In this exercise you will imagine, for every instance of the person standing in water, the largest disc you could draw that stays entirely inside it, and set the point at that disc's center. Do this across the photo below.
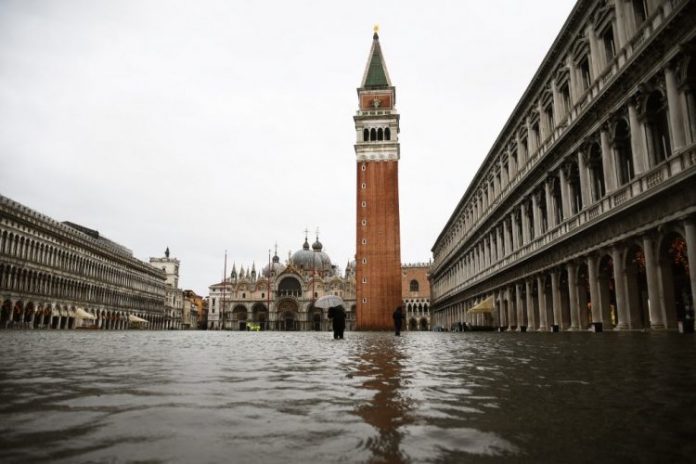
(398, 320)
(338, 320)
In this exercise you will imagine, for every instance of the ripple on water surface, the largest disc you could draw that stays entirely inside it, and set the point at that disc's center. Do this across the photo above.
(297, 397)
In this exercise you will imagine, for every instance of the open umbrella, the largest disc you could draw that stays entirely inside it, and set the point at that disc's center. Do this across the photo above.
(328, 301)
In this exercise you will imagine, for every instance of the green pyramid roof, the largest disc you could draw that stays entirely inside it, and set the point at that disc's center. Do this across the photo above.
(376, 73)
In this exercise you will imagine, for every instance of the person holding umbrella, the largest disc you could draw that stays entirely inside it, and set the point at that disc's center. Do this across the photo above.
(336, 313)
(338, 319)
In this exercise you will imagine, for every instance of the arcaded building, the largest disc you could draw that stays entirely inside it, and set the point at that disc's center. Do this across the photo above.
(582, 214)
(60, 275)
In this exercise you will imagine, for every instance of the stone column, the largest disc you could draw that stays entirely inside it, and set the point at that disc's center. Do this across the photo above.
(575, 323)
(515, 240)
(525, 223)
(557, 106)
(676, 120)
(511, 312)
(640, 157)
(573, 87)
(610, 178)
(550, 207)
(531, 320)
(501, 244)
(556, 297)
(565, 194)
(521, 322)
(690, 237)
(543, 323)
(594, 292)
(620, 288)
(531, 142)
(595, 61)
(503, 175)
(620, 11)
(584, 181)
(521, 158)
(507, 248)
(536, 215)
(502, 317)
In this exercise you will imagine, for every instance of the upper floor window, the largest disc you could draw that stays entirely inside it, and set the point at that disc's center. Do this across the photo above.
(624, 155)
(413, 286)
(565, 98)
(596, 172)
(366, 135)
(640, 11)
(609, 45)
(585, 76)
(657, 127)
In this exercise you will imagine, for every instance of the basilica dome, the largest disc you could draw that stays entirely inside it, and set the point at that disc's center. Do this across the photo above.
(276, 265)
(312, 260)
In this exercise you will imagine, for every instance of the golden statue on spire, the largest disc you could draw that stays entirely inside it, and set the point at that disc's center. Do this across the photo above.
(375, 28)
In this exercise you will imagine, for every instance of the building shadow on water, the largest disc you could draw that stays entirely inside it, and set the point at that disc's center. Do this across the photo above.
(388, 410)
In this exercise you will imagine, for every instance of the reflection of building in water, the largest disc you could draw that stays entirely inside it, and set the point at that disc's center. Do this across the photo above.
(583, 212)
(294, 286)
(389, 408)
(60, 275)
(415, 291)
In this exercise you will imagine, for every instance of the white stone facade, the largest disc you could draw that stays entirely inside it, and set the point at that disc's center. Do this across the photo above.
(582, 214)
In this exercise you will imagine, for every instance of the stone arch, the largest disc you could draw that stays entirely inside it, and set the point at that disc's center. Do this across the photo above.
(636, 287)
(259, 314)
(5, 314)
(423, 324)
(674, 277)
(584, 296)
(412, 324)
(607, 291)
(290, 286)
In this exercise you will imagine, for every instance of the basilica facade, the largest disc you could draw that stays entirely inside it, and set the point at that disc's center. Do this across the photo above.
(582, 215)
(281, 296)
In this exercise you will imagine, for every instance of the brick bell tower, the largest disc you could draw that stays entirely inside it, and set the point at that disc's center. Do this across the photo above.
(378, 240)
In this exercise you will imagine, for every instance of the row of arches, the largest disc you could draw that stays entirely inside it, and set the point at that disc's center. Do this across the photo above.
(31, 250)
(583, 180)
(287, 316)
(18, 314)
(638, 284)
(376, 134)
(21, 280)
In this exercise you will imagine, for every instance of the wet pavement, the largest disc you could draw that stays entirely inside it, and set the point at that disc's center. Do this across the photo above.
(139, 396)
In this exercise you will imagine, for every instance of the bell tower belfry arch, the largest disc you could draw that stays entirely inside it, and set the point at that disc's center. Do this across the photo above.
(378, 240)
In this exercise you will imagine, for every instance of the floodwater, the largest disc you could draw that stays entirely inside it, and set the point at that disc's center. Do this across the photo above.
(138, 396)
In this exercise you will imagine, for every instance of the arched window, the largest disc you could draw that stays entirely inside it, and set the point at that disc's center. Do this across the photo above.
(657, 127)
(413, 286)
(366, 134)
(596, 172)
(573, 177)
(387, 134)
(380, 134)
(373, 134)
(624, 155)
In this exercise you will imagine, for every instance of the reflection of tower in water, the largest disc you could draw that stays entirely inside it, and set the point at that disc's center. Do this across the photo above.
(388, 410)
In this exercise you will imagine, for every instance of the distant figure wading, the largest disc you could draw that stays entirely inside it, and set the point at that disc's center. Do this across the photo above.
(398, 319)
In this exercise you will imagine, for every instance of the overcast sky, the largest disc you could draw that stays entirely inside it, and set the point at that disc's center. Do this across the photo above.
(208, 126)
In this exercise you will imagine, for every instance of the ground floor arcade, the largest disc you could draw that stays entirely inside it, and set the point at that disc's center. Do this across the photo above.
(642, 281)
(21, 313)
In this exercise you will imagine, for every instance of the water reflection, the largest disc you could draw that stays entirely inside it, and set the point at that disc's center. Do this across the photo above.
(388, 410)
(211, 397)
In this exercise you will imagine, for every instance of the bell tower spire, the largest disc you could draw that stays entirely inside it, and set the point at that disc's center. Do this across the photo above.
(377, 152)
